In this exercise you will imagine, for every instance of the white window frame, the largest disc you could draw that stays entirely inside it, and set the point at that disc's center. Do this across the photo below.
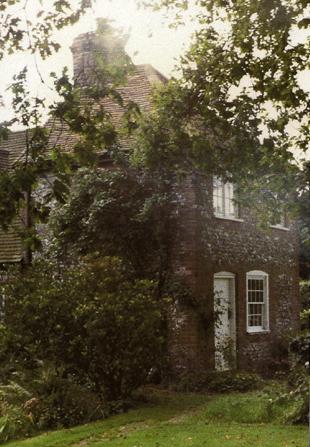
(282, 224)
(224, 188)
(260, 275)
(282, 221)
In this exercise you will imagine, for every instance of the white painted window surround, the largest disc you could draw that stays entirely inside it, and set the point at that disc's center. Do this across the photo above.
(280, 220)
(282, 223)
(224, 203)
(225, 323)
(280, 227)
(257, 294)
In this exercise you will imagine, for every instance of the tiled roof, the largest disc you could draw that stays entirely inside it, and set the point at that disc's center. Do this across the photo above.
(137, 89)
(4, 159)
(14, 145)
(10, 242)
(10, 245)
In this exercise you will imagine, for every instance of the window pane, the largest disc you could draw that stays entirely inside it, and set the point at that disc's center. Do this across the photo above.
(229, 196)
(223, 198)
(218, 197)
(255, 320)
(280, 219)
(257, 311)
(256, 291)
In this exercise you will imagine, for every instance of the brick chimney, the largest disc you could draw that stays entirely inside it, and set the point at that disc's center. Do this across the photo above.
(90, 47)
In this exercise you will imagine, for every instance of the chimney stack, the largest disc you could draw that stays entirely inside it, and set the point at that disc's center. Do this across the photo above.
(90, 47)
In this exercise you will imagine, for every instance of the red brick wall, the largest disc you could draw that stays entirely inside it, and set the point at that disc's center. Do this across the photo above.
(207, 245)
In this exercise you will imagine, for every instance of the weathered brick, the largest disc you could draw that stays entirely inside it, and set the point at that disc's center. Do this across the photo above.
(210, 245)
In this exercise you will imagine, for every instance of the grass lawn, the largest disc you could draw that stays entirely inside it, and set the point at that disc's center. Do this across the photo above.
(179, 419)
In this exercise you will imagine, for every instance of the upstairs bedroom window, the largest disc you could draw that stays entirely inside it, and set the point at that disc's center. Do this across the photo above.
(280, 221)
(224, 195)
(257, 301)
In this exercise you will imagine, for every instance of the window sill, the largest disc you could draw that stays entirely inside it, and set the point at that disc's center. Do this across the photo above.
(279, 227)
(234, 219)
(257, 332)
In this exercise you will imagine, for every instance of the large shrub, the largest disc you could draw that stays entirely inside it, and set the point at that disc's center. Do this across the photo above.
(64, 402)
(298, 380)
(218, 381)
(91, 321)
(15, 421)
(126, 213)
(48, 400)
(305, 304)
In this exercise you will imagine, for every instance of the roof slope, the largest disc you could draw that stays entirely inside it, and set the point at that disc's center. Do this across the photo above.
(10, 245)
(138, 89)
(4, 159)
(10, 242)
(14, 145)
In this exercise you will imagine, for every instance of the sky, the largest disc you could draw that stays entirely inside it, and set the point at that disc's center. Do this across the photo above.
(151, 41)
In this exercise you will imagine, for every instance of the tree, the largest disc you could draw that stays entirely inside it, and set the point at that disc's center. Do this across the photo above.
(92, 322)
(125, 212)
(232, 110)
(20, 31)
(254, 61)
(80, 111)
(303, 219)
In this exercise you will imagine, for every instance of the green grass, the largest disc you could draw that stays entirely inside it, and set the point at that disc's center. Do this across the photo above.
(181, 420)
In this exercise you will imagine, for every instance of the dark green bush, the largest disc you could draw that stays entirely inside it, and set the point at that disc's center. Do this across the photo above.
(298, 380)
(15, 420)
(50, 401)
(218, 382)
(305, 304)
(191, 382)
(299, 394)
(123, 212)
(60, 401)
(234, 381)
(292, 395)
(99, 329)
(300, 348)
(15, 423)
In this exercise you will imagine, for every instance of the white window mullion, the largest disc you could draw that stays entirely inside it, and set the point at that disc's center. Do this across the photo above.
(223, 199)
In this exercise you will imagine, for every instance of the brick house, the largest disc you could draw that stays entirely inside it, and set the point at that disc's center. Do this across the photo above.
(246, 278)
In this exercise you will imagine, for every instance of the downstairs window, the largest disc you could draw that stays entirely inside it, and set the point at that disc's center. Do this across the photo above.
(257, 301)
